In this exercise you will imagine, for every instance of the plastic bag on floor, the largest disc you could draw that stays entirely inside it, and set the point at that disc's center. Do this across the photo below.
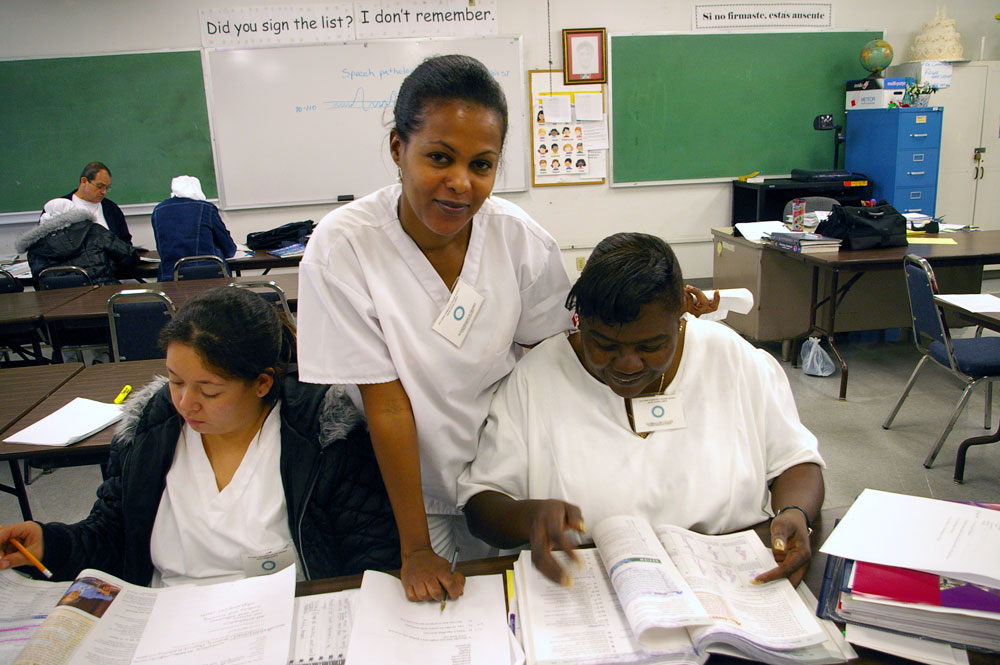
(814, 360)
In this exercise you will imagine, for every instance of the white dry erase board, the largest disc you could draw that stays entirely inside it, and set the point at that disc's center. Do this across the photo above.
(309, 124)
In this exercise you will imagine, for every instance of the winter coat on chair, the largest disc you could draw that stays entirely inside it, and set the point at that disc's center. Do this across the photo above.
(70, 237)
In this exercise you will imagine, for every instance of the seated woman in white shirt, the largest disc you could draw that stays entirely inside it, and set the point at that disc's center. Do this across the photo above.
(643, 411)
(234, 469)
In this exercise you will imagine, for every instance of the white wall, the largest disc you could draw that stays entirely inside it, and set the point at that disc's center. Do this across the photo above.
(577, 216)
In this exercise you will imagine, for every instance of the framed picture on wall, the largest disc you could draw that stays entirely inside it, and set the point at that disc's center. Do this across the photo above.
(585, 57)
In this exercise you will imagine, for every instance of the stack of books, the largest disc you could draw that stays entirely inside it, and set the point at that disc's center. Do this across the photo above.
(803, 242)
(948, 591)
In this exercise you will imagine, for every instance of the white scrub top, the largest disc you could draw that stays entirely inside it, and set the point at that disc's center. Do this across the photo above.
(556, 432)
(368, 297)
(201, 533)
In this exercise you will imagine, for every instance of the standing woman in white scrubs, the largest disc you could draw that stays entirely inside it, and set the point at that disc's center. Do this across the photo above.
(421, 295)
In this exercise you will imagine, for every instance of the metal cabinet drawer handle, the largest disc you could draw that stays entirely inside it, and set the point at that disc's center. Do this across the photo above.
(916, 173)
(918, 136)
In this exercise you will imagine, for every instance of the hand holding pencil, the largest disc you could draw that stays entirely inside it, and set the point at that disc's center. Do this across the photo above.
(21, 545)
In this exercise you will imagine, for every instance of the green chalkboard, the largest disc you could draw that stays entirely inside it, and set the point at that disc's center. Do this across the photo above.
(700, 106)
(143, 114)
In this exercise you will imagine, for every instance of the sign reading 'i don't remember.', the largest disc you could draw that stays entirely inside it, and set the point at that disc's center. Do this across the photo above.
(346, 21)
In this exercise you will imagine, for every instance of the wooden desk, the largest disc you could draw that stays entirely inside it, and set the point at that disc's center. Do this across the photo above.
(989, 320)
(260, 260)
(822, 528)
(31, 306)
(782, 291)
(21, 315)
(813, 579)
(94, 304)
(970, 249)
(98, 382)
(21, 389)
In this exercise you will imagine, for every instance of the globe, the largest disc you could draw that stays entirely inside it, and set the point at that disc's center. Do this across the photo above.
(876, 55)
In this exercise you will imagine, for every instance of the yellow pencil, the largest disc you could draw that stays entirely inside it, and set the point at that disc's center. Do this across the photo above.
(30, 557)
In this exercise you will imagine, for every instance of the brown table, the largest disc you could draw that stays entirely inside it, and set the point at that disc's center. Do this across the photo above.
(98, 382)
(30, 306)
(260, 260)
(813, 579)
(971, 249)
(94, 303)
(21, 314)
(22, 389)
(989, 320)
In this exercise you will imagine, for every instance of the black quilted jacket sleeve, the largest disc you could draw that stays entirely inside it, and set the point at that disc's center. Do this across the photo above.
(347, 525)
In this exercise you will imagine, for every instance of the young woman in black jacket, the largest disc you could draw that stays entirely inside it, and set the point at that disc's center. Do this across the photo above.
(229, 468)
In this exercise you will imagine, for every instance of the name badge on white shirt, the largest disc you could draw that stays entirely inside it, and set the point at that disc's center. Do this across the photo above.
(270, 561)
(658, 413)
(455, 320)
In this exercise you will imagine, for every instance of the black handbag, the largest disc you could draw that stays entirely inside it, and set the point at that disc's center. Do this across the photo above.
(865, 228)
(282, 236)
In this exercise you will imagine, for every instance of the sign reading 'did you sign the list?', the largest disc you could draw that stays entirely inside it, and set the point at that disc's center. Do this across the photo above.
(754, 16)
(345, 21)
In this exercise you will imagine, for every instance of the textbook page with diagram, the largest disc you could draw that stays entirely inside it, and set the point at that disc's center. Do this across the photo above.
(668, 595)
(102, 619)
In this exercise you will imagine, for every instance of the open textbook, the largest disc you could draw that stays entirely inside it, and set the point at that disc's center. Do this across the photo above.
(669, 595)
(101, 619)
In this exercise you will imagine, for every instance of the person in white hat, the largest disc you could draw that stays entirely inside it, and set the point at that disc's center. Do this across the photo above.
(186, 224)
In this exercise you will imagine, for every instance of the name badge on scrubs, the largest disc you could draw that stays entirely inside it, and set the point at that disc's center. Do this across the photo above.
(270, 561)
(455, 320)
(658, 413)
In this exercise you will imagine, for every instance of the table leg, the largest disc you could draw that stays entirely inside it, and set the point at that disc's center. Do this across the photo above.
(19, 490)
(963, 448)
(831, 327)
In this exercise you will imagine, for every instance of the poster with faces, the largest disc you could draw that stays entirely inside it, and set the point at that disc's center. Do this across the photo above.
(568, 129)
(560, 149)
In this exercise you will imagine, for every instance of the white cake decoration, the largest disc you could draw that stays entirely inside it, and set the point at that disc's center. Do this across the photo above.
(939, 40)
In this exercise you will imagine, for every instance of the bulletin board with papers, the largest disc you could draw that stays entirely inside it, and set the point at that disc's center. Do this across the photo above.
(569, 131)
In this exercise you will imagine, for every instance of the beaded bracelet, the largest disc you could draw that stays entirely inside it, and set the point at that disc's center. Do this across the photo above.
(804, 513)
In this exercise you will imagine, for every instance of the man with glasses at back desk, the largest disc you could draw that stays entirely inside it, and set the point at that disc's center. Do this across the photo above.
(91, 195)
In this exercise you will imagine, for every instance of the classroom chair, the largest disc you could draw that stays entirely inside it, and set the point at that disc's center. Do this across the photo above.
(72, 334)
(62, 277)
(9, 283)
(271, 292)
(135, 317)
(14, 337)
(972, 361)
(204, 266)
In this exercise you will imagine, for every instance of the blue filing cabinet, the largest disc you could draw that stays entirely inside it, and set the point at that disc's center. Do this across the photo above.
(898, 149)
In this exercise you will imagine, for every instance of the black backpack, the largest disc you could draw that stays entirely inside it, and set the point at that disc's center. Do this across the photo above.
(282, 236)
